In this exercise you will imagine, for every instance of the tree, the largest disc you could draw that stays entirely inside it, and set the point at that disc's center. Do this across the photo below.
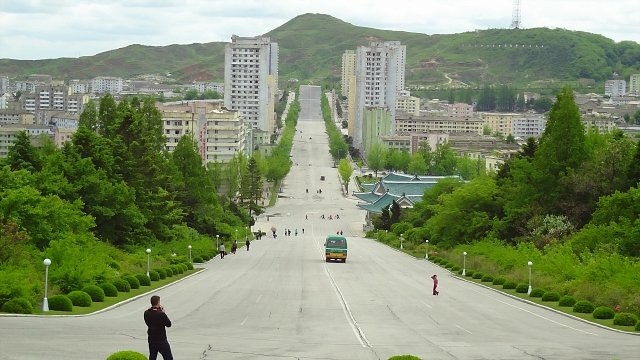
(377, 157)
(543, 104)
(210, 94)
(636, 117)
(191, 94)
(251, 186)
(395, 212)
(444, 160)
(417, 166)
(23, 155)
(345, 170)
(89, 116)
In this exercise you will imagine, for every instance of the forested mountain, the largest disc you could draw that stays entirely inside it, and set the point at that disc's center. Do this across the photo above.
(311, 46)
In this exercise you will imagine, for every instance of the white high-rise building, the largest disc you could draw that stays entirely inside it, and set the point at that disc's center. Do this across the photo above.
(380, 69)
(106, 84)
(4, 84)
(615, 88)
(251, 80)
(634, 84)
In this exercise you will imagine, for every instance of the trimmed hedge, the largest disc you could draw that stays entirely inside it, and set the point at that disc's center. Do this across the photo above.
(487, 278)
(154, 276)
(121, 285)
(469, 273)
(133, 281)
(404, 357)
(509, 285)
(567, 300)
(625, 319)
(143, 279)
(96, 292)
(109, 289)
(79, 298)
(522, 288)
(536, 293)
(551, 296)
(177, 269)
(477, 275)
(60, 303)
(603, 312)
(197, 259)
(638, 326)
(169, 271)
(499, 281)
(18, 306)
(189, 266)
(127, 355)
(162, 273)
(583, 307)
(184, 267)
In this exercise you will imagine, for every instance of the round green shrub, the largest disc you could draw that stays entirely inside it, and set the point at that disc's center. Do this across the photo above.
(477, 275)
(133, 281)
(499, 281)
(96, 292)
(18, 306)
(169, 271)
(404, 357)
(469, 273)
(205, 257)
(153, 275)
(109, 289)
(79, 298)
(455, 268)
(522, 288)
(114, 265)
(121, 285)
(449, 265)
(638, 326)
(197, 259)
(603, 312)
(184, 267)
(536, 293)
(551, 296)
(177, 269)
(583, 307)
(143, 279)
(487, 278)
(567, 300)
(509, 285)
(189, 266)
(625, 319)
(127, 355)
(162, 273)
(60, 303)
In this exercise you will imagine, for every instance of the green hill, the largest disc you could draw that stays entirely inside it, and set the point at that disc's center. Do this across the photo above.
(311, 47)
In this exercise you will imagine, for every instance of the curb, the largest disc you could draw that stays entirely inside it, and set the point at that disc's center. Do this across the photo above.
(112, 306)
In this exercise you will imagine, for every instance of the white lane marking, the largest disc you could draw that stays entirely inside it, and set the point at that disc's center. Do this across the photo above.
(463, 329)
(258, 299)
(545, 318)
(357, 331)
(244, 321)
(427, 305)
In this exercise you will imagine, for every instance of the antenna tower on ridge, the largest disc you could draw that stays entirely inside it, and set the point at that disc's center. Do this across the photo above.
(515, 16)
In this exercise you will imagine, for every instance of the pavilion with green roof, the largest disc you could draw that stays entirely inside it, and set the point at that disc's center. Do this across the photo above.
(405, 189)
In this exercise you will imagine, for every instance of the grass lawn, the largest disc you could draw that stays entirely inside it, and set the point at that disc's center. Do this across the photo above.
(122, 296)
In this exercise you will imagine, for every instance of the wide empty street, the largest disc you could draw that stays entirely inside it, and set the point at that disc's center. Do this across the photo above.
(281, 300)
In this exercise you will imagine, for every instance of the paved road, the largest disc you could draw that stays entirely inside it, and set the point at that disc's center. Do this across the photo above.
(282, 301)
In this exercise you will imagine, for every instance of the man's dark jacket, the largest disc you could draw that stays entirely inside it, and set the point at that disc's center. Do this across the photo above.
(156, 320)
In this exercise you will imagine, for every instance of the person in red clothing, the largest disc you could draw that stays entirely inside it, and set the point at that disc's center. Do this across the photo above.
(435, 284)
(157, 320)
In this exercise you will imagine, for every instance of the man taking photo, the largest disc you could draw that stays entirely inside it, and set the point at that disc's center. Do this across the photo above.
(157, 320)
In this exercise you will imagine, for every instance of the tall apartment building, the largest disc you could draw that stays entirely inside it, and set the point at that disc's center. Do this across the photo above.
(348, 70)
(106, 84)
(4, 84)
(634, 84)
(80, 86)
(379, 77)
(251, 80)
(615, 88)
(526, 126)
(50, 97)
(219, 133)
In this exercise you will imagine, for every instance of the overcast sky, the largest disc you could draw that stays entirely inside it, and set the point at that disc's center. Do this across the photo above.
(41, 29)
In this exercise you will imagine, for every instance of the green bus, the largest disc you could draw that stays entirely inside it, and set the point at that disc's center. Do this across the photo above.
(335, 248)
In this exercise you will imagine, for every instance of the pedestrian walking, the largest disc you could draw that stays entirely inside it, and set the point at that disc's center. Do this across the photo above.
(247, 243)
(303, 230)
(222, 250)
(234, 246)
(157, 321)
(296, 232)
(435, 284)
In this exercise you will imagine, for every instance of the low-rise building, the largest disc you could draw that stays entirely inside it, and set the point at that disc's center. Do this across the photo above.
(21, 117)
(9, 134)
(410, 124)
(407, 103)
(460, 110)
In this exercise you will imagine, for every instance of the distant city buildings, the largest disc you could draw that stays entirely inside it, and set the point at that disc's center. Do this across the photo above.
(106, 84)
(348, 71)
(251, 80)
(615, 88)
(634, 84)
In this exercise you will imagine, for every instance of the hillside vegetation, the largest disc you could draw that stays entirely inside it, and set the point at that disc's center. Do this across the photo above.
(311, 47)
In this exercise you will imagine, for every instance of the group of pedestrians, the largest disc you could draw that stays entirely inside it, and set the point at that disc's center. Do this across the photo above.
(234, 248)
(330, 217)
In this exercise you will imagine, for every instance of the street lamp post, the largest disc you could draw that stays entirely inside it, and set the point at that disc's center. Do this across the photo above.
(401, 239)
(190, 254)
(246, 234)
(148, 261)
(217, 242)
(426, 250)
(45, 302)
(464, 263)
(529, 290)
(236, 235)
